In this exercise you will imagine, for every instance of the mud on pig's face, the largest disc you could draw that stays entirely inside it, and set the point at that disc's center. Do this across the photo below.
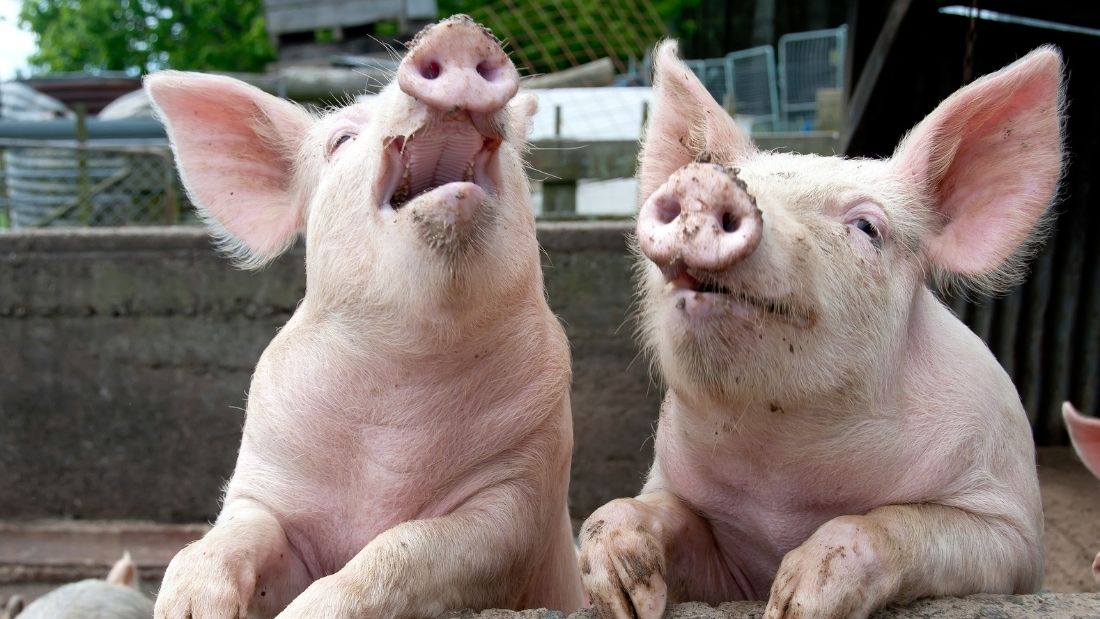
(771, 276)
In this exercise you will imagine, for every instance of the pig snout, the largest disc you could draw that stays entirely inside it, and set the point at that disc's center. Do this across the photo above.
(703, 217)
(458, 64)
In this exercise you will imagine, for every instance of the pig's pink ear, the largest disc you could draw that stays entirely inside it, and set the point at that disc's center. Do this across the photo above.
(989, 158)
(235, 147)
(684, 122)
(124, 572)
(1084, 432)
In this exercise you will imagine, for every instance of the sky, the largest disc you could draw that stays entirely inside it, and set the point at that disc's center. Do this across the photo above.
(15, 44)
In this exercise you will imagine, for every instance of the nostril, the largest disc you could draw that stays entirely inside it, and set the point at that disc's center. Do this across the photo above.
(488, 71)
(431, 70)
(730, 222)
(667, 209)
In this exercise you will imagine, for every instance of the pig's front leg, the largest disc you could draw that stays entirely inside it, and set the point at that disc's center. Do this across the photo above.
(473, 557)
(244, 565)
(853, 565)
(637, 554)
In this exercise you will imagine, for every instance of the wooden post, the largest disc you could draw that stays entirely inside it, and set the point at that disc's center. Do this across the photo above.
(85, 200)
(559, 197)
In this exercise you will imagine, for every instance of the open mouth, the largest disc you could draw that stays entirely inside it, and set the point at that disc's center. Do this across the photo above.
(451, 151)
(683, 279)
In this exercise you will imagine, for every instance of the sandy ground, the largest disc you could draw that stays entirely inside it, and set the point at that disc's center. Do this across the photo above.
(1071, 502)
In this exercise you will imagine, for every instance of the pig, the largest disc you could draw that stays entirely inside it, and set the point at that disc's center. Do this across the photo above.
(408, 433)
(117, 597)
(1084, 433)
(832, 438)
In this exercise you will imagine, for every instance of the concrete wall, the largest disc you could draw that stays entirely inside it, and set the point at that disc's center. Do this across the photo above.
(125, 356)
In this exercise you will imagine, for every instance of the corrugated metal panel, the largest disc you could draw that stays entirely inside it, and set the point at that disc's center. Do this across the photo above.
(1046, 332)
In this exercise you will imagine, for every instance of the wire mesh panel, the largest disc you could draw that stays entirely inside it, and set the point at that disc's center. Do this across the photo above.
(712, 73)
(750, 76)
(64, 183)
(808, 61)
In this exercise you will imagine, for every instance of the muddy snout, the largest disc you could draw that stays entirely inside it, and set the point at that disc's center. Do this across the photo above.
(458, 64)
(703, 216)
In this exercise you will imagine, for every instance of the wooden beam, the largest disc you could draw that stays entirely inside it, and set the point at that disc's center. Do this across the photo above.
(872, 69)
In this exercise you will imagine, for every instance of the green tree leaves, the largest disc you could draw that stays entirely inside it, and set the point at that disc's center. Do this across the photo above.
(138, 36)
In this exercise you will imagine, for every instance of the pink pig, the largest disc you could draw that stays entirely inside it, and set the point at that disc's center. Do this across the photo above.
(1084, 432)
(408, 435)
(833, 439)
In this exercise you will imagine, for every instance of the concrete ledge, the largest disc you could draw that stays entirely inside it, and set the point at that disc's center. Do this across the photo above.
(126, 354)
(1039, 606)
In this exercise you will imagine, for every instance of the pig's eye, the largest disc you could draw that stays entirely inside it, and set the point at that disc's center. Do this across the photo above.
(867, 227)
(336, 143)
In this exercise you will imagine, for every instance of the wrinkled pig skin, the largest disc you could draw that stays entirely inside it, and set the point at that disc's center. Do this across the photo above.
(1084, 433)
(833, 438)
(408, 434)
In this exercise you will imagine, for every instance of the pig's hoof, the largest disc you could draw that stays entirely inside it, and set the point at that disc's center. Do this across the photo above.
(836, 574)
(199, 584)
(623, 568)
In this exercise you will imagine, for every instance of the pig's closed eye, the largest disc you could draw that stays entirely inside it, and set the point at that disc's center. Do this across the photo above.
(338, 141)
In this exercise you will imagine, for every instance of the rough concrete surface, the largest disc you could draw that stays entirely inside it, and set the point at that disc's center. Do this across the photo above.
(127, 353)
(1041, 606)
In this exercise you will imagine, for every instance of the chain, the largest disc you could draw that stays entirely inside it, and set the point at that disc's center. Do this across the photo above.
(971, 37)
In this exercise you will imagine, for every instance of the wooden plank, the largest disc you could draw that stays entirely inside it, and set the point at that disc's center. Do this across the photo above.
(306, 17)
(868, 78)
(572, 160)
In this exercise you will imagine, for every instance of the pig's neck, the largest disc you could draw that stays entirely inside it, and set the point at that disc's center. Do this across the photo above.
(407, 322)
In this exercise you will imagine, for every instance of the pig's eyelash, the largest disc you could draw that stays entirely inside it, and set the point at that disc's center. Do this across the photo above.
(338, 140)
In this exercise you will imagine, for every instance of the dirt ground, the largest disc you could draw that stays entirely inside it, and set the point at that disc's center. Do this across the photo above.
(1071, 502)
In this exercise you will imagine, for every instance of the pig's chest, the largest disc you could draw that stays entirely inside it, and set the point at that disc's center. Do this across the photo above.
(354, 461)
(760, 509)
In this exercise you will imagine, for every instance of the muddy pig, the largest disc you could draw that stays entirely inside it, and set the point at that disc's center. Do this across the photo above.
(833, 438)
(408, 435)
(118, 597)
(1084, 433)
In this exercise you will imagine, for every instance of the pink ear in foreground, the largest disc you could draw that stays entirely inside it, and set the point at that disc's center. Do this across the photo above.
(684, 122)
(990, 158)
(1084, 432)
(235, 146)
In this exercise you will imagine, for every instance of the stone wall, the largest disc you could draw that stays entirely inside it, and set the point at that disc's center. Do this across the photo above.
(125, 356)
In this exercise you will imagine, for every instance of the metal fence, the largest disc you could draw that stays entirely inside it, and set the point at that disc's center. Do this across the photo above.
(66, 183)
(808, 62)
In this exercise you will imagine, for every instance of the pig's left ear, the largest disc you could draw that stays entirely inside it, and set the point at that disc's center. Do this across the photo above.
(684, 122)
(989, 159)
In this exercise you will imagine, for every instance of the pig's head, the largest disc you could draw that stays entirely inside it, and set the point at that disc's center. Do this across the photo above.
(414, 202)
(780, 277)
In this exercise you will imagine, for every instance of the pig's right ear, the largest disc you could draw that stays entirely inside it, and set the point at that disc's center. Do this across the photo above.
(235, 147)
(685, 122)
(1084, 433)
